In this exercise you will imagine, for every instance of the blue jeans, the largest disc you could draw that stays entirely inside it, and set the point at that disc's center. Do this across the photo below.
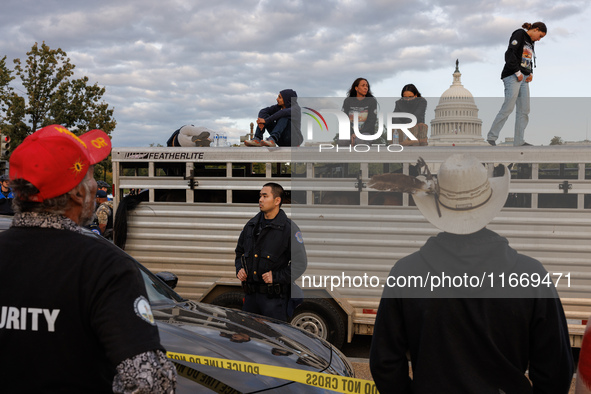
(280, 131)
(516, 96)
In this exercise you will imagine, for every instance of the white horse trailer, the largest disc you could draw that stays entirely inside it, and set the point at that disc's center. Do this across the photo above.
(198, 199)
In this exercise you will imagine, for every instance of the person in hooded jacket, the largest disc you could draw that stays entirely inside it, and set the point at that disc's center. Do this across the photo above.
(282, 121)
(520, 60)
(451, 308)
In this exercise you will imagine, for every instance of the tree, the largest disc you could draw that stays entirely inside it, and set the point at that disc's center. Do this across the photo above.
(5, 79)
(43, 73)
(77, 106)
(556, 141)
(11, 106)
(53, 97)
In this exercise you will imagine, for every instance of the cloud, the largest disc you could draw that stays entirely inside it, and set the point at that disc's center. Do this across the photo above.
(165, 64)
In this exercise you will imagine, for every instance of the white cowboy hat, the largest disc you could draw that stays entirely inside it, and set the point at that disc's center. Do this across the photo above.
(465, 199)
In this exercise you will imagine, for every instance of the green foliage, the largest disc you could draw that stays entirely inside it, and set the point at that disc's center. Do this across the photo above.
(77, 106)
(51, 96)
(5, 79)
(45, 70)
(556, 141)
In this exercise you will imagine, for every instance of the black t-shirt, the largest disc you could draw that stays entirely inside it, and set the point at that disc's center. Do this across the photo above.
(72, 307)
(366, 109)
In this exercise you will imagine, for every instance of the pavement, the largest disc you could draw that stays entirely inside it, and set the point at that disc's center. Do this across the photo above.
(358, 354)
(361, 367)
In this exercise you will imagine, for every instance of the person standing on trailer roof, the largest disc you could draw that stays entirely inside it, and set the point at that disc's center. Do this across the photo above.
(520, 60)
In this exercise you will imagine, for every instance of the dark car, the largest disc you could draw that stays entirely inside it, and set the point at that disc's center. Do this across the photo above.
(211, 331)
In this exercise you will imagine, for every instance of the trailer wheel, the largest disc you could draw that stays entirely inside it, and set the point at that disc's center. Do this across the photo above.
(319, 317)
(231, 299)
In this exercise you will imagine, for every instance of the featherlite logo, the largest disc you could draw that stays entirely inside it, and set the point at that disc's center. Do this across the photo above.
(344, 127)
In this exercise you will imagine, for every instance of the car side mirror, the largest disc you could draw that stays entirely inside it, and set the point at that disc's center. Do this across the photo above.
(169, 278)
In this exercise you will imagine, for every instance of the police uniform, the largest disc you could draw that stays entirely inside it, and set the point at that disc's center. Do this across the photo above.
(92, 314)
(270, 245)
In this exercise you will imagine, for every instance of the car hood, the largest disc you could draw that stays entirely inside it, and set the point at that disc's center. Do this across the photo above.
(212, 331)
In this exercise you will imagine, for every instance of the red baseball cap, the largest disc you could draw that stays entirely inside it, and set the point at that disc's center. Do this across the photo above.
(55, 160)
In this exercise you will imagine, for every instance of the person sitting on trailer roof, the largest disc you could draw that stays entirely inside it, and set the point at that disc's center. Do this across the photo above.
(473, 332)
(360, 102)
(282, 121)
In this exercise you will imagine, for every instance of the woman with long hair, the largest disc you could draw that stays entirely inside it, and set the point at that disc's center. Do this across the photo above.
(412, 102)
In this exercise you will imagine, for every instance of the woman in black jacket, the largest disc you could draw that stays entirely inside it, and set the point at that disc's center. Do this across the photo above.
(516, 75)
(412, 102)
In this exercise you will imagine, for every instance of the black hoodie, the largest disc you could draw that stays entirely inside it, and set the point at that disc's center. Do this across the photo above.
(520, 55)
(293, 111)
(474, 339)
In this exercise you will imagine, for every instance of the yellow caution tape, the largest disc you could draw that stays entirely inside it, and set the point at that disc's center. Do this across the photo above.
(205, 380)
(317, 379)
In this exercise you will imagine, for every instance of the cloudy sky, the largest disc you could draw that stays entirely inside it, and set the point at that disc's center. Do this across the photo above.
(216, 63)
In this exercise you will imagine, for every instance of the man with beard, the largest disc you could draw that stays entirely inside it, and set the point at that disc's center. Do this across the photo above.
(73, 307)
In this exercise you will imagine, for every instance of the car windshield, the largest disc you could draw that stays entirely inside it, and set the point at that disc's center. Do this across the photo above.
(158, 293)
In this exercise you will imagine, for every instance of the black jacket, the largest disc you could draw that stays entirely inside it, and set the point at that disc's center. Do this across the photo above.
(479, 338)
(278, 247)
(519, 55)
(293, 135)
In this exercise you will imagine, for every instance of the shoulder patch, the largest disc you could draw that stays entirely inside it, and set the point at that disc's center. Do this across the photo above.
(298, 237)
(514, 42)
(143, 310)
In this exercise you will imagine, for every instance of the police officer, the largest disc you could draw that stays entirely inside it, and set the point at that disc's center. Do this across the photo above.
(270, 255)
